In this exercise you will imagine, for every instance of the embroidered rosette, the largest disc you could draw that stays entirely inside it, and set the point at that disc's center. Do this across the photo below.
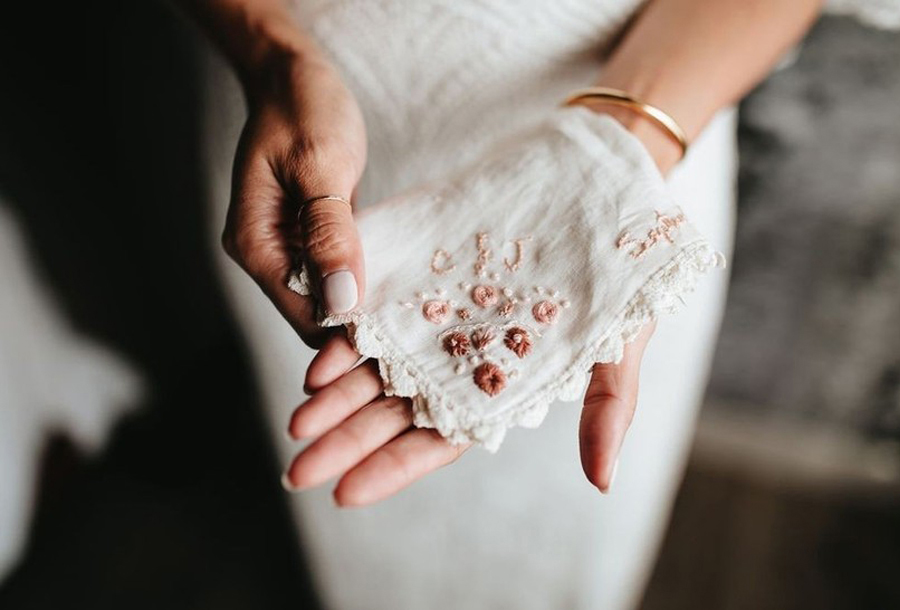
(492, 293)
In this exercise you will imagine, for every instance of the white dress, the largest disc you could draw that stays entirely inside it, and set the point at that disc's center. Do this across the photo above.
(438, 80)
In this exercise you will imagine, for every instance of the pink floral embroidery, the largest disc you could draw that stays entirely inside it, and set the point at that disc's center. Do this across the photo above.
(545, 312)
(482, 338)
(456, 344)
(518, 341)
(489, 378)
(436, 312)
(507, 309)
(493, 319)
(663, 230)
(484, 296)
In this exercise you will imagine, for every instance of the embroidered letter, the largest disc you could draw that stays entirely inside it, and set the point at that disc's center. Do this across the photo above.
(514, 265)
(484, 254)
(441, 262)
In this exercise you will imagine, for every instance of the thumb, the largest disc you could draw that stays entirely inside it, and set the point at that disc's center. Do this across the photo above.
(333, 252)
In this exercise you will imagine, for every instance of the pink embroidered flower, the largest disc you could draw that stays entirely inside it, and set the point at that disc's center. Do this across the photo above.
(507, 309)
(489, 378)
(456, 344)
(518, 341)
(464, 314)
(484, 296)
(482, 338)
(545, 312)
(436, 311)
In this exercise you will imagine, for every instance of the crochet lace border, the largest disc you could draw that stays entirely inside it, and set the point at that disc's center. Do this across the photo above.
(661, 294)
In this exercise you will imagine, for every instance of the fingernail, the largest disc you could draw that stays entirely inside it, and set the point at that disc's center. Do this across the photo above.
(612, 476)
(340, 291)
(286, 483)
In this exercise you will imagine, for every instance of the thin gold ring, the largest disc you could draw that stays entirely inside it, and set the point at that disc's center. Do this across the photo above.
(323, 198)
(617, 97)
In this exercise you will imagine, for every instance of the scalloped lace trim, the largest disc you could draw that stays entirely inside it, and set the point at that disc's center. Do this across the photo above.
(661, 294)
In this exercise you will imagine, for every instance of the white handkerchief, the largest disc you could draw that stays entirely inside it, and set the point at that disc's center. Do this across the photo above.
(493, 292)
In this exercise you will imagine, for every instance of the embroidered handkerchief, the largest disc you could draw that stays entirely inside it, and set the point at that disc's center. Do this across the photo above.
(491, 293)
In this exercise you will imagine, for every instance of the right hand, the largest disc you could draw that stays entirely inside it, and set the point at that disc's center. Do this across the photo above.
(304, 138)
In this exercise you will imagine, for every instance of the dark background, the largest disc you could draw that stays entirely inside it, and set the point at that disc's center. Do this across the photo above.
(791, 499)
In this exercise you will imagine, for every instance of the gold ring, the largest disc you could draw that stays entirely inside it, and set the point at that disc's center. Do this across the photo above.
(616, 97)
(323, 198)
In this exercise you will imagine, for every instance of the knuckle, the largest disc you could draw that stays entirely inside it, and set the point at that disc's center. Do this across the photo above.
(327, 233)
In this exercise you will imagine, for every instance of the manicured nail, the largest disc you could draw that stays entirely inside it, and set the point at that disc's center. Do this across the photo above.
(286, 483)
(612, 476)
(340, 291)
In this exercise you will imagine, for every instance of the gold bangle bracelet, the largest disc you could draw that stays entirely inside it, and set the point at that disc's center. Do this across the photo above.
(616, 97)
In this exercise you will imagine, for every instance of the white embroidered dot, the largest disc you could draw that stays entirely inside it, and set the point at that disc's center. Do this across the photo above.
(408, 305)
(460, 368)
(440, 292)
(495, 276)
(565, 303)
(539, 289)
(514, 373)
(422, 295)
(507, 292)
(474, 360)
(555, 294)
(504, 361)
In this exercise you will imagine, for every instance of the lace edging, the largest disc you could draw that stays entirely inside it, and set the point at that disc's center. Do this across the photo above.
(661, 294)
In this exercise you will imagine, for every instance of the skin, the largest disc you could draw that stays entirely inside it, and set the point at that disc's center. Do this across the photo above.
(305, 137)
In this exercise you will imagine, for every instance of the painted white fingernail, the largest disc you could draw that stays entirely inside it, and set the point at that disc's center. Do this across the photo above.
(340, 291)
(286, 483)
(612, 476)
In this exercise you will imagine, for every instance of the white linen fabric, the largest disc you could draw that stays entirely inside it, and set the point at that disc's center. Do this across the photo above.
(492, 293)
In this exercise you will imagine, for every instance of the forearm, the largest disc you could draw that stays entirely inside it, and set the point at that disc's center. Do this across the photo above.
(254, 35)
(694, 57)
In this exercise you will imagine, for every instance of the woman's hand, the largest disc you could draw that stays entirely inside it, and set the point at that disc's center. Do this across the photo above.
(304, 138)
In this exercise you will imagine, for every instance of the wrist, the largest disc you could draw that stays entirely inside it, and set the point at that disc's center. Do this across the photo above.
(660, 145)
(273, 50)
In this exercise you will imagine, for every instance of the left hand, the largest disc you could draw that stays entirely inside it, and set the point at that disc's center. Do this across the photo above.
(369, 440)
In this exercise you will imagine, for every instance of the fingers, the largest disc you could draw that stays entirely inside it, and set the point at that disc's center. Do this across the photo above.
(260, 235)
(397, 464)
(609, 405)
(333, 254)
(350, 442)
(337, 401)
(335, 358)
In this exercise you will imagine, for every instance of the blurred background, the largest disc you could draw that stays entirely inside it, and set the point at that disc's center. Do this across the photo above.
(140, 473)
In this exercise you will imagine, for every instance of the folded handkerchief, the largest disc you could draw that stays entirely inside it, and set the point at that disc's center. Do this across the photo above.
(491, 293)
